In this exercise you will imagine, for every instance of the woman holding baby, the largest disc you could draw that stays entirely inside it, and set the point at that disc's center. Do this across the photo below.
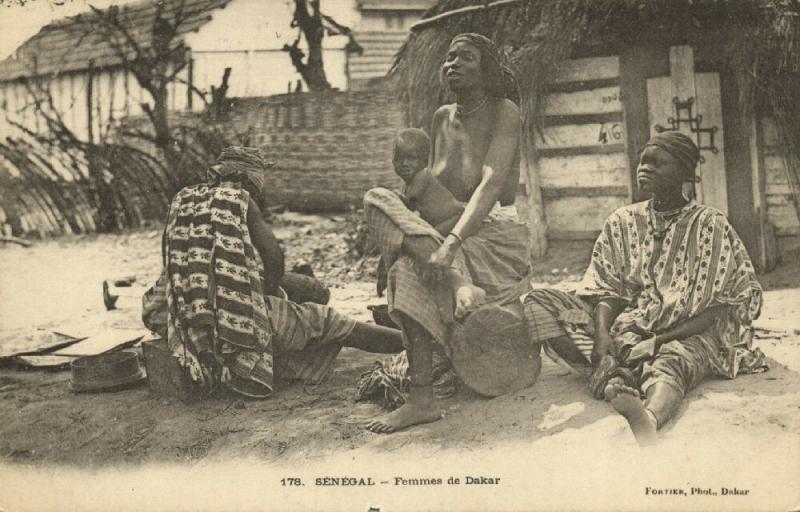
(436, 279)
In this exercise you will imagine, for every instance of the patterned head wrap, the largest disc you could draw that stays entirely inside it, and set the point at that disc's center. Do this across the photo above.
(497, 74)
(239, 163)
(681, 147)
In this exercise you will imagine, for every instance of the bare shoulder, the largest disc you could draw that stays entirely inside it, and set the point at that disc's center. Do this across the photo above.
(443, 113)
(445, 110)
(506, 110)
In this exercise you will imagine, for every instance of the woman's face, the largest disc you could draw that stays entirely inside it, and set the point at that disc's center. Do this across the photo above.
(462, 67)
(659, 173)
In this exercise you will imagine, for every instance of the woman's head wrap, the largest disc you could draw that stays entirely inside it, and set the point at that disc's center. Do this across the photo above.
(498, 77)
(681, 147)
(242, 164)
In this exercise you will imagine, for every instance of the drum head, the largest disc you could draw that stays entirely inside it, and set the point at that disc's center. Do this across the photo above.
(491, 351)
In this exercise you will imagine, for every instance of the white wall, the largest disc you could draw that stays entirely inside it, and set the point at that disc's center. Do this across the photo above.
(247, 35)
(387, 21)
(114, 96)
(259, 73)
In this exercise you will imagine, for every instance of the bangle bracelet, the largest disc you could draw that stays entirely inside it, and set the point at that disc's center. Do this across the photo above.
(460, 241)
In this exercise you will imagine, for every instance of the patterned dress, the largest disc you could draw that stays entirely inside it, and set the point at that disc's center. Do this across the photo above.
(667, 268)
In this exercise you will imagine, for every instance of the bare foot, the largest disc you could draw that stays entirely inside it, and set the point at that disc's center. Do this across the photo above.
(613, 387)
(468, 298)
(405, 416)
(626, 401)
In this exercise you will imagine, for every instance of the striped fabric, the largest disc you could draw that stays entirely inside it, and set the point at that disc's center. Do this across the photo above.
(552, 314)
(670, 268)
(496, 258)
(308, 337)
(217, 317)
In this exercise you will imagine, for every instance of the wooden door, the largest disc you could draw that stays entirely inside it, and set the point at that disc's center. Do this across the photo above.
(691, 103)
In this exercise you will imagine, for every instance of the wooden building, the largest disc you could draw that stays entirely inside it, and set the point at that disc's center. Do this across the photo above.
(382, 27)
(598, 78)
(91, 90)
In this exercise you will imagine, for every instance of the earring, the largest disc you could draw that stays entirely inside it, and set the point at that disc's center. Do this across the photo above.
(687, 190)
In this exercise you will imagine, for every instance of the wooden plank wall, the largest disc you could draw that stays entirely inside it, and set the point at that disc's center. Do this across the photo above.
(380, 48)
(582, 159)
(781, 211)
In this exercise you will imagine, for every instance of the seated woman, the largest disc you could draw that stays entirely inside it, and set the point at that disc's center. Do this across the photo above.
(218, 302)
(475, 155)
(666, 302)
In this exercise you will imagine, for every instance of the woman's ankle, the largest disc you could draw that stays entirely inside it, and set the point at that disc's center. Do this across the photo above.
(421, 394)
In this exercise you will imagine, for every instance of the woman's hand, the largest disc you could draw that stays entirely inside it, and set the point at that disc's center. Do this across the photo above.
(439, 263)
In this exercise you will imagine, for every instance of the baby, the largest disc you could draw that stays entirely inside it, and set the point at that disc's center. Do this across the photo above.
(423, 192)
(437, 206)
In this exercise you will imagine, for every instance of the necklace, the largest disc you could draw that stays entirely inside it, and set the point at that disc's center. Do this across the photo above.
(660, 222)
(481, 103)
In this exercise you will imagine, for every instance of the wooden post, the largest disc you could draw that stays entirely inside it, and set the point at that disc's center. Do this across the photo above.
(636, 64)
(529, 168)
(89, 85)
(190, 83)
(767, 256)
(739, 171)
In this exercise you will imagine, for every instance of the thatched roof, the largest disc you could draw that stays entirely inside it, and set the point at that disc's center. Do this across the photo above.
(758, 39)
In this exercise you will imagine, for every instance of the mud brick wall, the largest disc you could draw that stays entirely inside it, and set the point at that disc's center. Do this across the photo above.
(328, 148)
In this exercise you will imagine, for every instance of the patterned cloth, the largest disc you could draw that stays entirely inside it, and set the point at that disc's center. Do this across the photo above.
(553, 314)
(680, 147)
(667, 270)
(240, 164)
(308, 336)
(388, 381)
(217, 318)
(496, 258)
(670, 274)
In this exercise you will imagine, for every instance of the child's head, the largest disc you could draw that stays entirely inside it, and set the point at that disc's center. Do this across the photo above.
(411, 149)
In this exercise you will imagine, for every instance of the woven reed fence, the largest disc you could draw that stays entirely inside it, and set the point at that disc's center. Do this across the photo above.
(329, 148)
(47, 189)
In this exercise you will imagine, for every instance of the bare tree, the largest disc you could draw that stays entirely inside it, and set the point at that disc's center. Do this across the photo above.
(155, 57)
(109, 178)
(118, 181)
(313, 25)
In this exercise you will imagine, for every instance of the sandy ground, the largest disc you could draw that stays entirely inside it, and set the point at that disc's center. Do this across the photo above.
(553, 444)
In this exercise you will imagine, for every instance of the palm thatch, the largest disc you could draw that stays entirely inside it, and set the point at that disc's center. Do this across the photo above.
(757, 41)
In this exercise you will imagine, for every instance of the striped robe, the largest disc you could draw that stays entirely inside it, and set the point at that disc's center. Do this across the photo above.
(665, 277)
